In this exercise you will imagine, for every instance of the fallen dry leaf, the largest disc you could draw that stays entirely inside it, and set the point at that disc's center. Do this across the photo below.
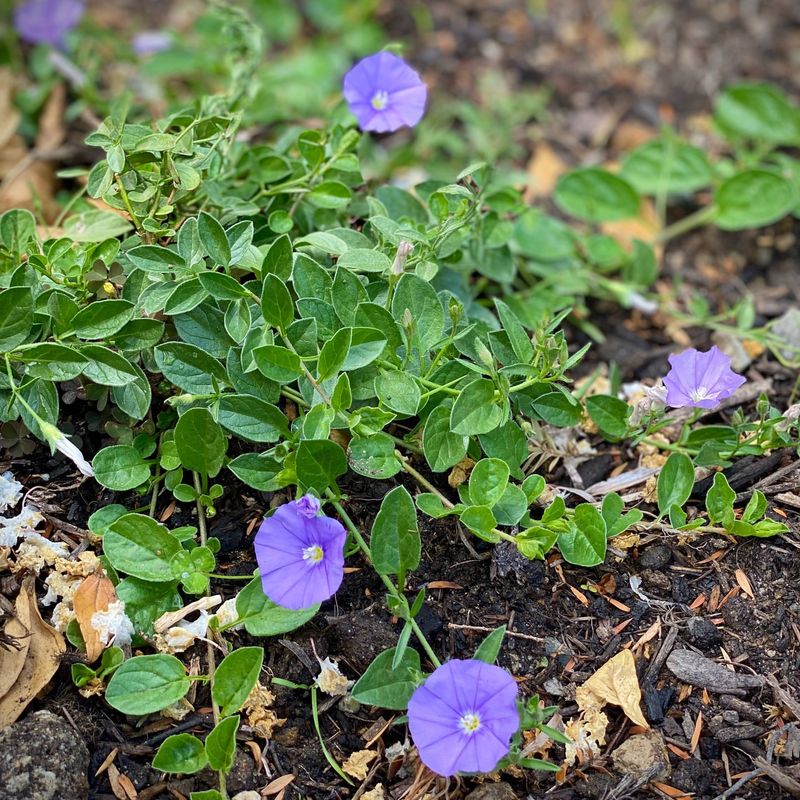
(96, 593)
(616, 683)
(273, 787)
(12, 658)
(46, 647)
(744, 582)
(544, 170)
(357, 766)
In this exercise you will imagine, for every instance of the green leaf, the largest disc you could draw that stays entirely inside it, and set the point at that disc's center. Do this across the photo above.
(675, 482)
(758, 111)
(373, 456)
(214, 240)
(221, 286)
(221, 744)
(720, 499)
(146, 601)
(257, 470)
(399, 392)
(252, 418)
(666, 166)
(319, 463)
(595, 195)
(235, 677)
(50, 361)
(189, 367)
(277, 363)
(366, 344)
(394, 542)
(584, 542)
(557, 408)
(278, 260)
(157, 259)
(477, 410)
(489, 648)
(333, 354)
(330, 194)
(138, 545)
(756, 507)
(389, 688)
(610, 414)
(442, 449)
(17, 228)
(186, 296)
(146, 684)
(508, 443)
(277, 307)
(200, 442)
(102, 319)
(262, 617)
(753, 198)
(120, 467)
(481, 521)
(425, 308)
(106, 367)
(616, 521)
(364, 260)
(180, 753)
(488, 481)
(16, 316)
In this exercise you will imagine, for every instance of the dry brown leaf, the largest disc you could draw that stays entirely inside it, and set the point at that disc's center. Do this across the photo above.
(544, 170)
(46, 647)
(744, 582)
(616, 683)
(357, 766)
(12, 659)
(460, 472)
(96, 593)
(273, 787)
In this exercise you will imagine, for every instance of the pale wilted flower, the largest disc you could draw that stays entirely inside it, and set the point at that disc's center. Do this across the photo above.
(58, 441)
(112, 625)
(10, 491)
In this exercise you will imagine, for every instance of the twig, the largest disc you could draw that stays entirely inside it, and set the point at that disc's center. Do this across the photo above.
(482, 629)
(731, 792)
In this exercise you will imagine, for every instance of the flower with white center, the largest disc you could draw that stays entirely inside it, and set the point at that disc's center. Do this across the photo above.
(58, 441)
(10, 491)
(112, 625)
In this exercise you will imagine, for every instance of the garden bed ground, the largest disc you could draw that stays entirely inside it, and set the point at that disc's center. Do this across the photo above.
(736, 602)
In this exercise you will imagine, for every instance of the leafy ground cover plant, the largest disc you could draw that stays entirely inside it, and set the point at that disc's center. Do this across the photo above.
(267, 318)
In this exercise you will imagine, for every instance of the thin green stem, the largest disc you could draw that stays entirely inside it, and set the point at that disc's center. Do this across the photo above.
(126, 200)
(391, 588)
(694, 220)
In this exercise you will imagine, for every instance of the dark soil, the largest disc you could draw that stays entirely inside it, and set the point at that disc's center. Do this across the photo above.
(563, 622)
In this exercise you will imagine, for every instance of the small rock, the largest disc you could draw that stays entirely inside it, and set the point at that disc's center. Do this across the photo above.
(653, 579)
(642, 755)
(738, 733)
(41, 758)
(554, 687)
(656, 556)
(731, 717)
(692, 776)
(657, 701)
(249, 794)
(737, 614)
(704, 634)
(493, 791)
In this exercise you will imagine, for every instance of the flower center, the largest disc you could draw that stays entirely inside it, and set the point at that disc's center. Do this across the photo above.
(379, 100)
(470, 723)
(313, 554)
(702, 393)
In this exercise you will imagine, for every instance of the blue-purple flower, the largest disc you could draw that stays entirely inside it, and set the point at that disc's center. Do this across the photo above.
(384, 93)
(47, 21)
(702, 380)
(300, 553)
(463, 717)
(148, 43)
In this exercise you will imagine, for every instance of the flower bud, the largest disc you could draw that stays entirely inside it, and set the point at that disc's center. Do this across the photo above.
(404, 250)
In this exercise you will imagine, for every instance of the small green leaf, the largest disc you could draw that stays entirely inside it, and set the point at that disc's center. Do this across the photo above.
(399, 392)
(221, 744)
(146, 684)
(442, 448)
(120, 467)
(389, 688)
(720, 499)
(262, 617)
(138, 545)
(489, 648)
(181, 753)
(319, 463)
(753, 198)
(477, 409)
(235, 677)
(277, 306)
(488, 481)
(595, 195)
(394, 542)
(610, 414)
(200, 442)
(675, 482)
(584, 542)
(214, 240)
(373, 456)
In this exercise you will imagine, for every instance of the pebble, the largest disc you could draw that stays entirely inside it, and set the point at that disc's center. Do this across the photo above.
(493, 791)
(656, 556)
(703, 634)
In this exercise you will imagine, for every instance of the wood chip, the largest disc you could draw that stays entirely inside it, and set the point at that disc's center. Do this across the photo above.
(744, 582)
(443, 585)
(109, 759)
(698, 727)
(697, 670)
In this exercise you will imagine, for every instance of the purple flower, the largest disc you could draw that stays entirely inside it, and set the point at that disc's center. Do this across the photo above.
(463, 717)
(147, 43)
(701, 380)
(384, 93)
(47, 21)
(300, 553)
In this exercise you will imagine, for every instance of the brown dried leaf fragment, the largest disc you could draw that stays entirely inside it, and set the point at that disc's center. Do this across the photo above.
(96, 593)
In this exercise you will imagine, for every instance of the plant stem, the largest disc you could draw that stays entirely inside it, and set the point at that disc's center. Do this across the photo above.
(124, 195)
(423, 481)
(392, 589)
(694, 220)
(210, 654)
